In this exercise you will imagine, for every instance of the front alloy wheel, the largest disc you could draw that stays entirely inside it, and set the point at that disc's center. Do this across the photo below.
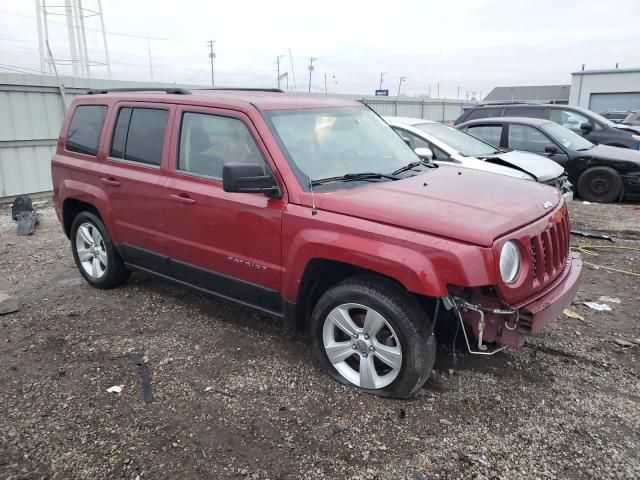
(368, 332)
(362, 346)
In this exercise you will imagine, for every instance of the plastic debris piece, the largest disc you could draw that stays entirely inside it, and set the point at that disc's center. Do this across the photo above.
(600, 307)
(115, 389)
(586, 203)
(587, 234)
(604, 298)
(623, 343)
(572, 314)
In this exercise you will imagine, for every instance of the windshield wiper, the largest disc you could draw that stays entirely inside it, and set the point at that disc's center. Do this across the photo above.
(351, 177)
(411, 165)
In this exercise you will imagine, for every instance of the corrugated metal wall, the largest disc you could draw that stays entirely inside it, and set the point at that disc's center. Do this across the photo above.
(31, 112)
(588, 82)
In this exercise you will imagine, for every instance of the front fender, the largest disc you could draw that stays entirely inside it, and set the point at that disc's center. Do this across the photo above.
(422, 263)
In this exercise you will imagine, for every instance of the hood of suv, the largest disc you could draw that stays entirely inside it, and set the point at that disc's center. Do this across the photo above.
(542, 168)
(453, 202)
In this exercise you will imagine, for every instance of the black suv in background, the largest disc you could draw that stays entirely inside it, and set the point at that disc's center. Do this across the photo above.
(590, 125)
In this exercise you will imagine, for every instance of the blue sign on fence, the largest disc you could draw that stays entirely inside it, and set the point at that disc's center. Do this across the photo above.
(382, 93)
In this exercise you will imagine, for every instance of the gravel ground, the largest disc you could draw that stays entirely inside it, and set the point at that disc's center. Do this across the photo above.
(235, 398)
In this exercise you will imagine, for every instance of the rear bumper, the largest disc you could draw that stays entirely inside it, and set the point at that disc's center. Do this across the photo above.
(540, 313)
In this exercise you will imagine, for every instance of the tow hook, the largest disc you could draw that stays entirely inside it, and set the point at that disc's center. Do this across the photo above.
(481, 346)
(461, 305)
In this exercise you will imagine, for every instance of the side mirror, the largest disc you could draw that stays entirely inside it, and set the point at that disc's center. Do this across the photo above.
(248, 178)
(586, 127)
(551, 149)
(424, 153)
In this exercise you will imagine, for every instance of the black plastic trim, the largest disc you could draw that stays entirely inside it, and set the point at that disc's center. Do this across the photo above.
(207, 281)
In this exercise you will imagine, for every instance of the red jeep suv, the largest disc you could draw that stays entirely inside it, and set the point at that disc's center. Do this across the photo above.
(315, 211)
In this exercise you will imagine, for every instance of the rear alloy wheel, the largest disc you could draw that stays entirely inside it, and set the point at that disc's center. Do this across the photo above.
(600, 184)
(94, 253)
(370, 333)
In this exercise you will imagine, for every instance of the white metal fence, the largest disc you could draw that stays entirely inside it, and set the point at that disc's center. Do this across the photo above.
(32, 110)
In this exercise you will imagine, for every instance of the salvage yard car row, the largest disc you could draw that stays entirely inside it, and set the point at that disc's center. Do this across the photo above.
(602, 159)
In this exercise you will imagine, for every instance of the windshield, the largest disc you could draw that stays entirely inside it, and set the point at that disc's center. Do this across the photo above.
(331, 142)
(566, 138)
(463, 143)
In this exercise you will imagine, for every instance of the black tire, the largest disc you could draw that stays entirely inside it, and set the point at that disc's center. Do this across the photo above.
(402, 312)
(600, 184)
(115, 272)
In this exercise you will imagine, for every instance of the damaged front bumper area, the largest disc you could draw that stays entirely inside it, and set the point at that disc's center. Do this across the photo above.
(493, 322)
(563, 185)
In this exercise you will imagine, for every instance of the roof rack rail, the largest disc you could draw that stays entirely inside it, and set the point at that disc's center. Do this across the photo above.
(241, 89)
(506, 102)
(175, 90)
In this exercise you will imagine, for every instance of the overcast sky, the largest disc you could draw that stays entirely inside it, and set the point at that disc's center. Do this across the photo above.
(476, 45)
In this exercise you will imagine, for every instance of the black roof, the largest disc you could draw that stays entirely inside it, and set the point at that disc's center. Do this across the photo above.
(534, 122)
(543, 93)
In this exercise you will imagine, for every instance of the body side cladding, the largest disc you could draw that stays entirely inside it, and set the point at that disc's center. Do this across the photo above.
(207, 281)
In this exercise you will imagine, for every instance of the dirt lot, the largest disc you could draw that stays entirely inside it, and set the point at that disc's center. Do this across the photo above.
(234, 398)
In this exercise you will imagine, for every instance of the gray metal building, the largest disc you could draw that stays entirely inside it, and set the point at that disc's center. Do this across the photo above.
(606, 90)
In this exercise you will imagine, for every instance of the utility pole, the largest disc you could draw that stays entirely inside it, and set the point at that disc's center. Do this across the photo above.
(150, 63)
(438, 85)
(402, 79)
(310, 67)
(325, 84)
(382, 74)
(278, 67)
(212, 59)
(458, 94)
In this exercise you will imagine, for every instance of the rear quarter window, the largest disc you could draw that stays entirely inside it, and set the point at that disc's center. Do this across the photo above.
(530, 112)
(483, 113)
(85, 129)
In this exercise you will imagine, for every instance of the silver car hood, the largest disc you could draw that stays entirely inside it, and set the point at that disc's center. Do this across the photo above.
(539, 166)
(477, 164)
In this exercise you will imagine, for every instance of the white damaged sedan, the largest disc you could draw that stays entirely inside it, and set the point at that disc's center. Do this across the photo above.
(443, 144)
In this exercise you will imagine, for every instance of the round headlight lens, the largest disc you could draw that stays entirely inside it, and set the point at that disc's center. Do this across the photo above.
(510, 262)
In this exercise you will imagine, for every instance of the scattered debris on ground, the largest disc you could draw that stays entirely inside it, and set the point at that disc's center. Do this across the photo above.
(235, 399)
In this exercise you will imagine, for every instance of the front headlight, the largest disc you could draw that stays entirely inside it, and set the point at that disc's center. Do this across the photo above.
(510, 261)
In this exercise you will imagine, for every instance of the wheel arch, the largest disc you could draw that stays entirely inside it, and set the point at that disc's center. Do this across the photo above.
(321, 274)
(79, 196)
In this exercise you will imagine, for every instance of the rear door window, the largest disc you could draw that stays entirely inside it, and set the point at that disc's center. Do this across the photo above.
(139, 135)
(488, 133)
(83, 135)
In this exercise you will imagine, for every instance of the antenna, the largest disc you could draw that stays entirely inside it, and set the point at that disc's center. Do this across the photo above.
(314, 210)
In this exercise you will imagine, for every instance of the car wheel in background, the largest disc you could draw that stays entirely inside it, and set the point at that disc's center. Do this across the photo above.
(94, 253)
(600, 184)
(370, 333)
